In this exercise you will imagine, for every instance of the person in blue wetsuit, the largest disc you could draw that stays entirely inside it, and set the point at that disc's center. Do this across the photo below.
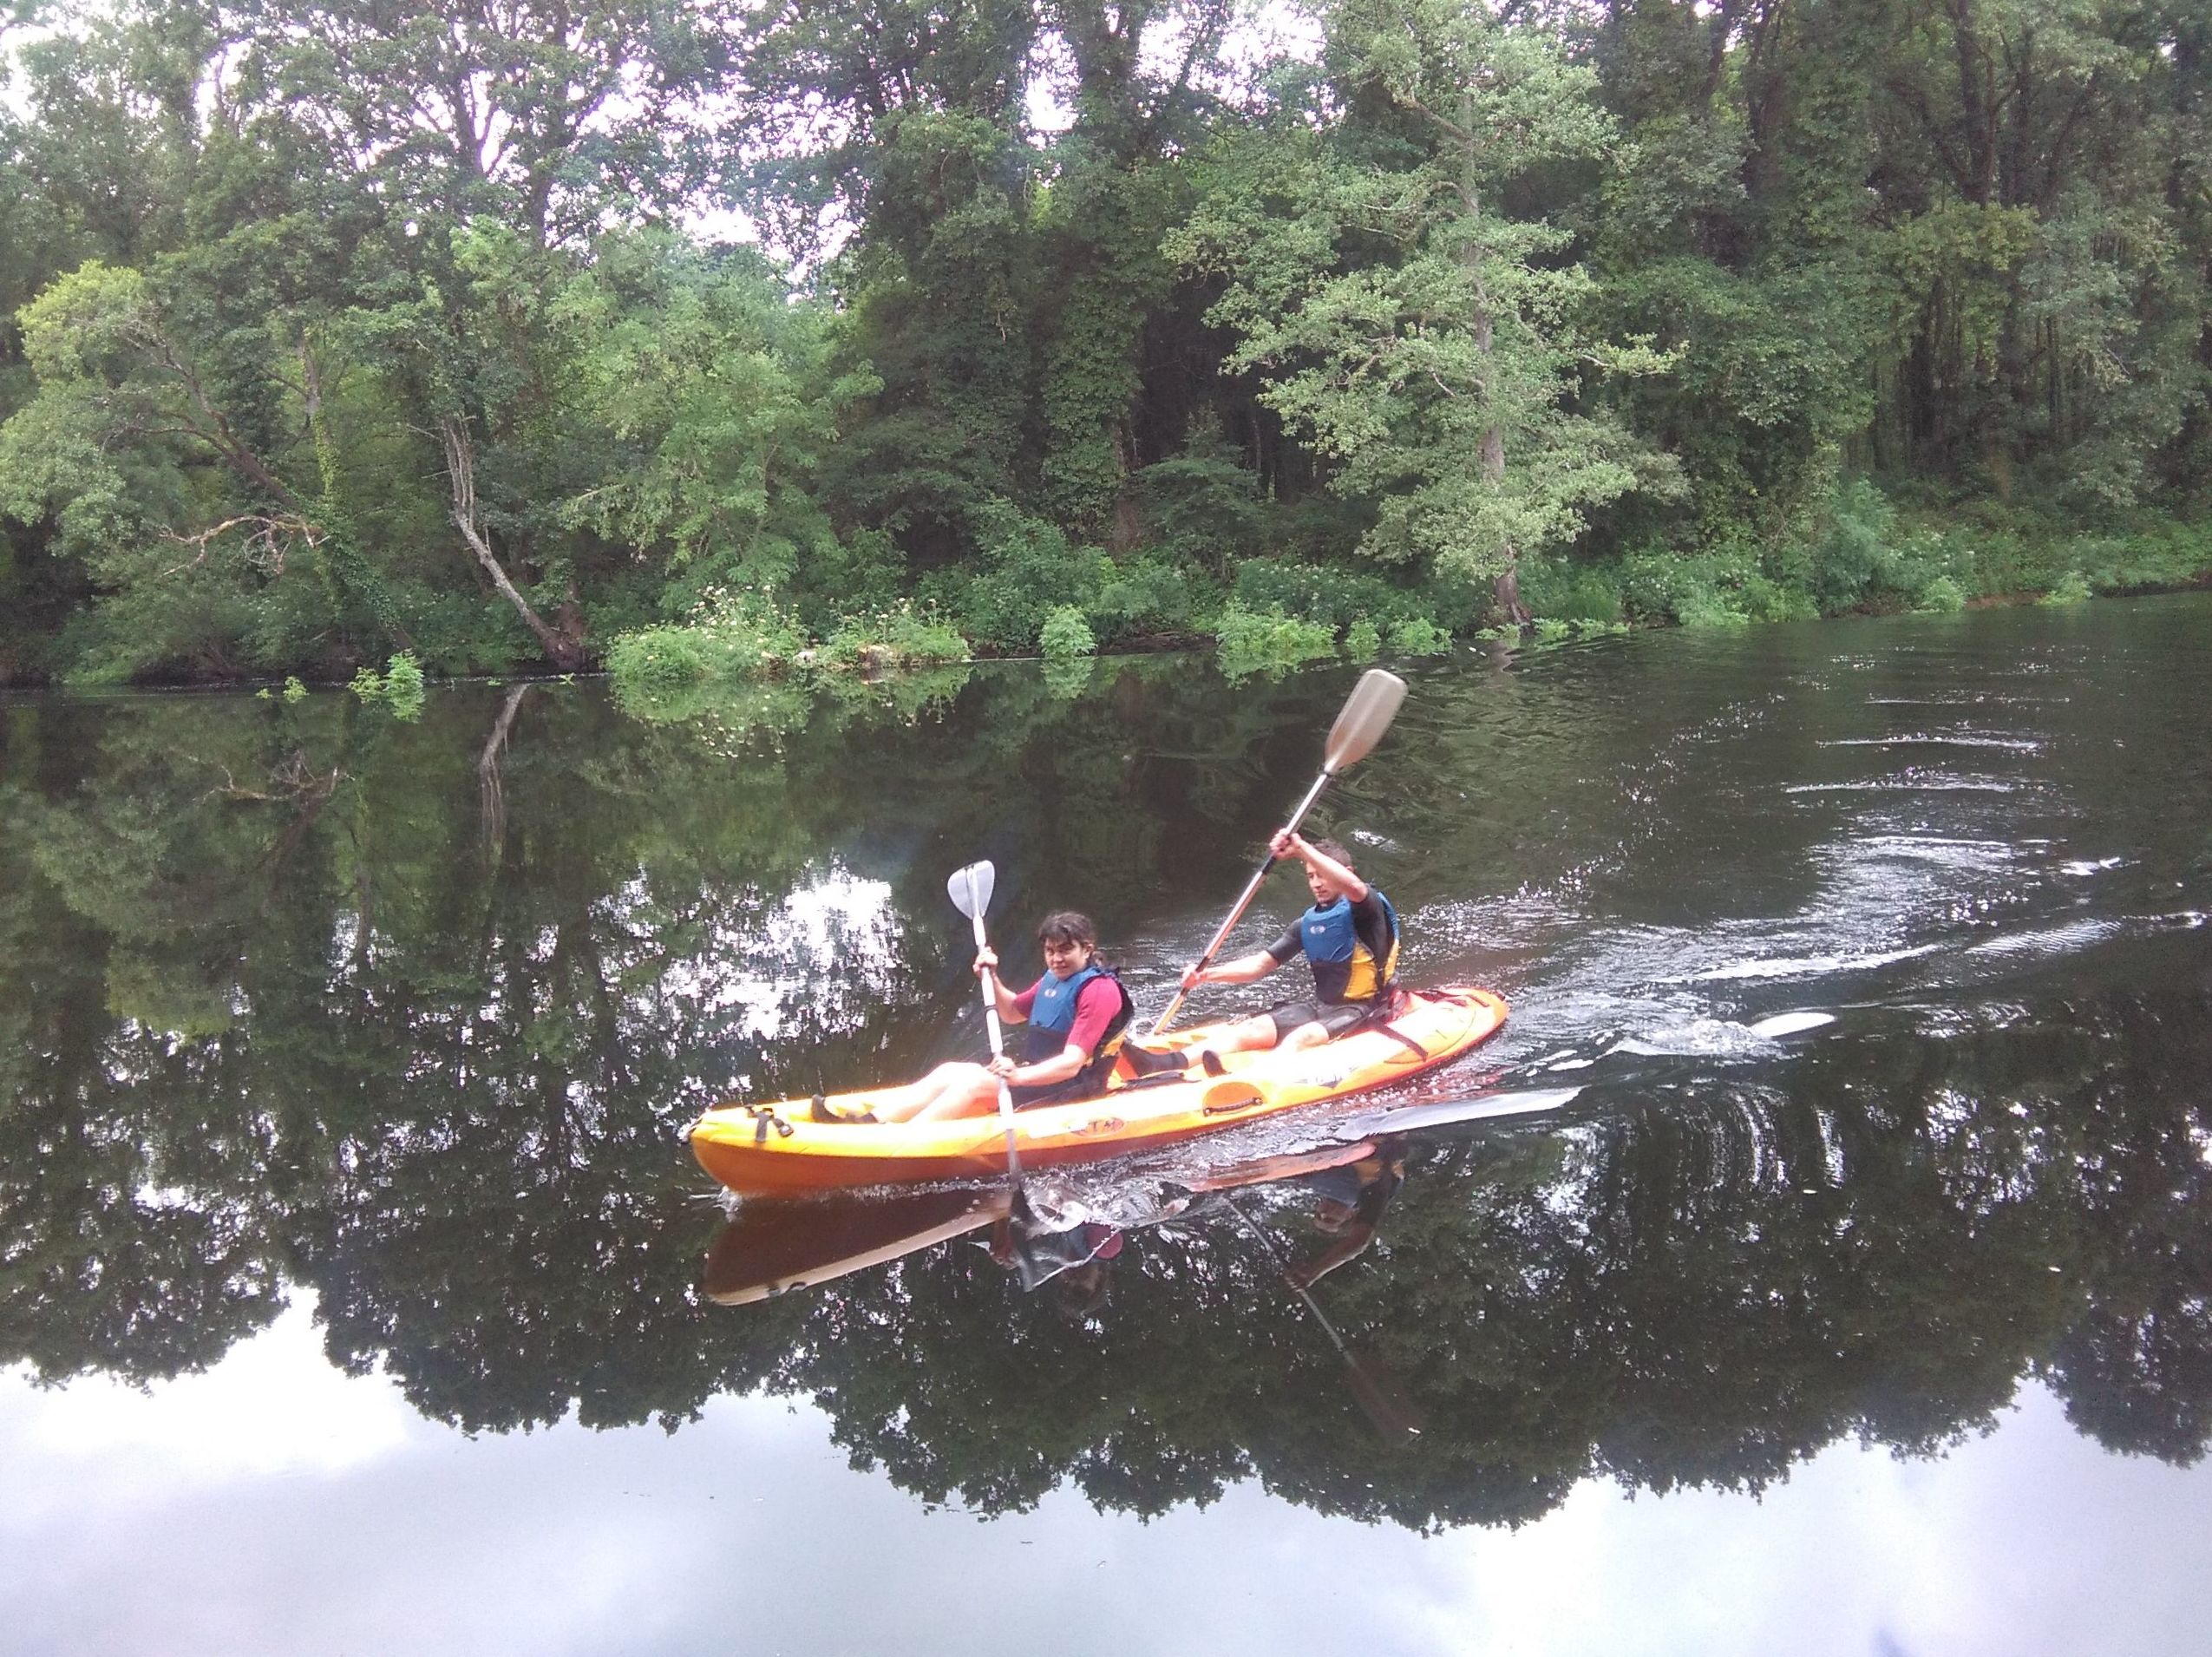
(1350, 938)
(1066, 1029)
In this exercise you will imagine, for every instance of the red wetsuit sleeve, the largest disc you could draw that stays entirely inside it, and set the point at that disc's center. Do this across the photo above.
(1027, 999)
(1094, 1010)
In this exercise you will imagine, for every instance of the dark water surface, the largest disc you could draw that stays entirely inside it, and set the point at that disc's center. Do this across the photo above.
(1822, 1259)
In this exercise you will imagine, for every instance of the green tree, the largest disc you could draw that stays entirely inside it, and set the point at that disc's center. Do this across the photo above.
(1425, 334)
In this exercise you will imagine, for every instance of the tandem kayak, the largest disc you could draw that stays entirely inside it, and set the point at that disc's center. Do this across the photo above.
(780, 1150)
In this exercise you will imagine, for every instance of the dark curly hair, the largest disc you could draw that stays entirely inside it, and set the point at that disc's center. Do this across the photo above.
(1068, 926)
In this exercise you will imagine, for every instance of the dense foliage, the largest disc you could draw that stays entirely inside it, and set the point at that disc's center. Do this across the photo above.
(331, 332)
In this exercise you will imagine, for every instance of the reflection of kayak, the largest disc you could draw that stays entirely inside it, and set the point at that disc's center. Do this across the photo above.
(761, 1151)
(771, 1248)
(774, 1248)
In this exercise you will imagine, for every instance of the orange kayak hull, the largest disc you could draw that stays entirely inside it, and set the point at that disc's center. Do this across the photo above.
(778, 1149)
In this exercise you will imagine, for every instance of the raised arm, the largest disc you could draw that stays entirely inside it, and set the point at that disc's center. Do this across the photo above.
(1321, 863)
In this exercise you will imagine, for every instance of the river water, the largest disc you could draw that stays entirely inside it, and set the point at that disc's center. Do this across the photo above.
(1820, 1258)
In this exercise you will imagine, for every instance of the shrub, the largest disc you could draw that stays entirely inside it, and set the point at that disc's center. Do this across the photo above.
(1066, 635)
(2074, 589)
(746, 628)
(1029, 570)
(404, 685)
(1861, 558)
(1708, 607)
(1146, 593)
(1852, 554)
(1927, 563)
(399, 687)
(900, 635)
(654, 660)
(1337, 597)
(924, 635)
(1756, 598)
(1571, 591)
(1942, 596)
(1418, 636)
(1688, 588)
(1363, 640)
(862, 571)
(1204, 506)
(1254, 641)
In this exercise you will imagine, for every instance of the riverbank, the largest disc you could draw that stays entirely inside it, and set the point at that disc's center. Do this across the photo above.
(1277, 613)
(1871, 561)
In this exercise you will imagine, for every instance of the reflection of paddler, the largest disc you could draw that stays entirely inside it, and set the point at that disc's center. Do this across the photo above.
(1351, 1200)
(1075, 1260)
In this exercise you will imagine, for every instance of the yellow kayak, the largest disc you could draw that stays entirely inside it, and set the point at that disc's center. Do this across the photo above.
(780, 1150)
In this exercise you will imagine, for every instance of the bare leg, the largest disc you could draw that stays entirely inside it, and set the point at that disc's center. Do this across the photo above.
(926, 1098)
(972, 1096)
(1247, 1036)
(1306, 1035)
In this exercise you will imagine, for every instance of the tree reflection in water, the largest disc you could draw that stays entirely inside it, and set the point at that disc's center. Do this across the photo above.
(288, 1006)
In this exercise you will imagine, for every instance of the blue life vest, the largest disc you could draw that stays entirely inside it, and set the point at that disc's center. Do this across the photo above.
(1345, 969)
(1052, 1017)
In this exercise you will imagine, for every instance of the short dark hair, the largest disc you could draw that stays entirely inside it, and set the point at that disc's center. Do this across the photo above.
(1068, 926)
(1334, 850)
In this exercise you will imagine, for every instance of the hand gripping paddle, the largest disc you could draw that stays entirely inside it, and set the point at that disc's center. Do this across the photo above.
(970, 890)
(1366, 714)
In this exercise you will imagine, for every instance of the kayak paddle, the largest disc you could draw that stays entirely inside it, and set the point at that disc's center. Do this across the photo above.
(1366, 714)
(970, 890)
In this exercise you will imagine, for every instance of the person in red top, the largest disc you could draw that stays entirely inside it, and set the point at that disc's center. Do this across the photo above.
(1070, 1023)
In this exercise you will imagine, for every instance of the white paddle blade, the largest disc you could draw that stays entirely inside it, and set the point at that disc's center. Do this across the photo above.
(970, 889)
(1367, 714)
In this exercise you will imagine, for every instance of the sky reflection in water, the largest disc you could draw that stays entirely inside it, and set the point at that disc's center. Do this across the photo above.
(273, 1505)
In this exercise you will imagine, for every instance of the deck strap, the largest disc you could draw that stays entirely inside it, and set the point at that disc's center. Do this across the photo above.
(1401, 1037)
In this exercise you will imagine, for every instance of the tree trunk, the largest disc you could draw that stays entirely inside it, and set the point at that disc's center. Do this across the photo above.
(491, 793)
(563, 648)
(1505, 592)
(1973, 104)
(1128, 528)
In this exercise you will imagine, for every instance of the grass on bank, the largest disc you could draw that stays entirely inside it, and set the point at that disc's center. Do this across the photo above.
(1866, 557)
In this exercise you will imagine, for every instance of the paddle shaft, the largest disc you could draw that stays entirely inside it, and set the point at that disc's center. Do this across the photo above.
(990, 980)
(1251, 891)
(1392, 1417)
(1284, 1272)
